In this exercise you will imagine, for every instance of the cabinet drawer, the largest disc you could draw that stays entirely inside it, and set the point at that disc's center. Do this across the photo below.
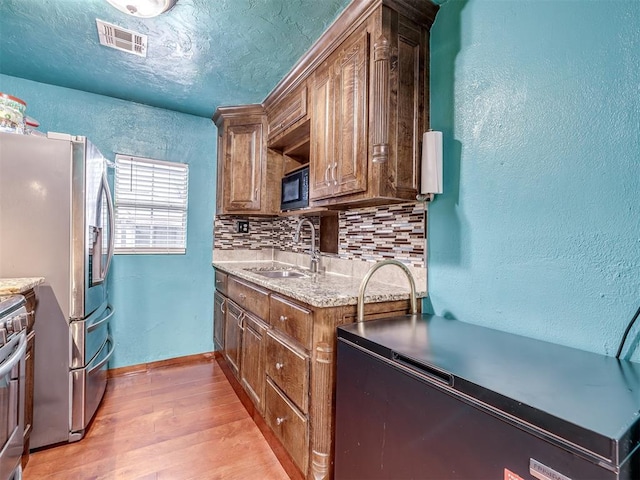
(289, 369)
(249, 297)
(221, 282)
(292, 319)
(288, 111)
(289, 425)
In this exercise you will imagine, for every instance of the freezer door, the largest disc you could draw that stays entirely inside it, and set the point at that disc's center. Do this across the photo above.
(88, 336)
(88, 385)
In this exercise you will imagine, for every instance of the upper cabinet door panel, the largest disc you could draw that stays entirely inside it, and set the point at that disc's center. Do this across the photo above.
(248, 176)
(410, 105)
(351, 79)
(339, 122)
(244, 166)
(321, 152)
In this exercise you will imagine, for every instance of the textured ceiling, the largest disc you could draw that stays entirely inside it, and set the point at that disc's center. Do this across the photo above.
(201, 54)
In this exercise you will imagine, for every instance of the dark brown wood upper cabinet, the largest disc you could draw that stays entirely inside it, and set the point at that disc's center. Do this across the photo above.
(286, 115)
(339, 122)
(353, 108)
(247, 181)
(368, 114)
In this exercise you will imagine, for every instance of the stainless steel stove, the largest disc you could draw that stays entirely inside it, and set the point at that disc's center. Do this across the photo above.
(13, 345)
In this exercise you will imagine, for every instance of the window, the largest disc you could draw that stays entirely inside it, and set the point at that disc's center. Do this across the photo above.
(151, 205)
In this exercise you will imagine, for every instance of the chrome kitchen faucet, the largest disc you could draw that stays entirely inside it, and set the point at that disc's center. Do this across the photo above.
(315, 254)
(365, 281)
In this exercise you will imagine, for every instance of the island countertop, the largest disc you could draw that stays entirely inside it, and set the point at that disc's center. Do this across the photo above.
(321, 289)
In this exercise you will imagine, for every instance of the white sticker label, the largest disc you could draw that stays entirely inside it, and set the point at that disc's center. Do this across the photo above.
(542, 472)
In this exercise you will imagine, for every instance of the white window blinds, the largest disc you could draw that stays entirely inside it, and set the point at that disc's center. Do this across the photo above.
(151, 205)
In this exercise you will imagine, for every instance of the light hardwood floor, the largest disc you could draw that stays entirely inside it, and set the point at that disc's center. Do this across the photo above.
(171, 423)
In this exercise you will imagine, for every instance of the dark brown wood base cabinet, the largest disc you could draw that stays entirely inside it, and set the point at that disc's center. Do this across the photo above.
(252, 375)
(219, 310)
(233, 337)
(283, 352)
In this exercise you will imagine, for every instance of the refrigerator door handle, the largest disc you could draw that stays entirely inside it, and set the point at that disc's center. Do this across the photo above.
(112, 223)
(97, 325)
(102, 362)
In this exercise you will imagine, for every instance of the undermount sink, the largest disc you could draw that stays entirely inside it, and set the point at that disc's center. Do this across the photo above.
(281, 273)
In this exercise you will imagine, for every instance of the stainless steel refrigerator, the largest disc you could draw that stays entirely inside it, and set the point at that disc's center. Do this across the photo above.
(56, 222)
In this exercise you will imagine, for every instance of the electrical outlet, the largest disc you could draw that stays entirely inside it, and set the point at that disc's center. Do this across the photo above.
(242, 226)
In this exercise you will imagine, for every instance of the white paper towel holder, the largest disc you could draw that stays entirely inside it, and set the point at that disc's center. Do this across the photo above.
(431, 175)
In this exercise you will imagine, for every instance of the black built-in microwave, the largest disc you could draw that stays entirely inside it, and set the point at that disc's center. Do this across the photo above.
(295, 190)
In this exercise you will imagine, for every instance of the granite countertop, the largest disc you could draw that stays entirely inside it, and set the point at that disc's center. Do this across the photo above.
(319, 290)
(14, 286)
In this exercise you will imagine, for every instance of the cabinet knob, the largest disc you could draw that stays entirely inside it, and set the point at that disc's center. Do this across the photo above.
(243, 297)
(279, 365)
(283, 318)
(279, 420)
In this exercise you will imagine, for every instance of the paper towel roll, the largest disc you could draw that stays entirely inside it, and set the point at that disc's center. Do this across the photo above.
(431, 181)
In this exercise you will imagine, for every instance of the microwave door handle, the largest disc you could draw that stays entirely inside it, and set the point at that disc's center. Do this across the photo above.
(112, 223)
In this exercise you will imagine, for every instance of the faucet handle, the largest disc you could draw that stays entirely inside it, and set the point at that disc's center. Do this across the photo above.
(315, 254)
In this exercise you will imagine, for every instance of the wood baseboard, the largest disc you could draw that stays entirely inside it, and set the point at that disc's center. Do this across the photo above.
(281, 454)
(146, 367)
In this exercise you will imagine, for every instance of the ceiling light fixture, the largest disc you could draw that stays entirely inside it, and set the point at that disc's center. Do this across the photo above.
(143, 8)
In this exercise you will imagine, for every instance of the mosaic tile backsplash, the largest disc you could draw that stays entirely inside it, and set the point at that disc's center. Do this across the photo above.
(370, 234)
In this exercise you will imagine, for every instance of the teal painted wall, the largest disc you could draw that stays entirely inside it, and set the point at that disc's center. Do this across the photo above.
(538, 231)
(163, 303)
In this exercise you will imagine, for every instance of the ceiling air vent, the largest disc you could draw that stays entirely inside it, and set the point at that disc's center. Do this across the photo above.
(122, 39)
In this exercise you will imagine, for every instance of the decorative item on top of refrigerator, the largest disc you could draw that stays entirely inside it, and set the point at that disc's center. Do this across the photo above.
(14, 119)
(12, 113)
